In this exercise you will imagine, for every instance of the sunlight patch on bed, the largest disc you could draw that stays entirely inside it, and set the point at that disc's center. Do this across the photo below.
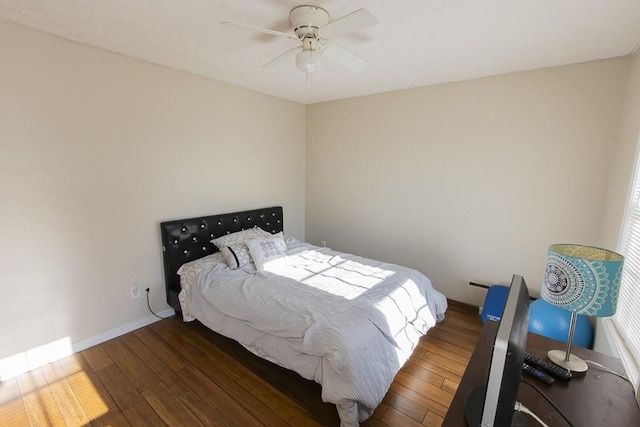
(330, 273)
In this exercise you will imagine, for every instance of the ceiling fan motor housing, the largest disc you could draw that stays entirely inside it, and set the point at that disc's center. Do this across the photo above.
(306, 20)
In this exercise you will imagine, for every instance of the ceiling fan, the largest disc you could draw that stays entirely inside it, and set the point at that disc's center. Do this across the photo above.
(312, 26)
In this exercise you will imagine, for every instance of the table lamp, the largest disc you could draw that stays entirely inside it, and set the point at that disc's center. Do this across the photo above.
(583, 280)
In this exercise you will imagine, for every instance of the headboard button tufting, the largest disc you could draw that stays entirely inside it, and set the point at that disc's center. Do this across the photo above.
(182, 239)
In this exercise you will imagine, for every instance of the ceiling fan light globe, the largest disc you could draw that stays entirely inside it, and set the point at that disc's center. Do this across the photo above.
(308, 61)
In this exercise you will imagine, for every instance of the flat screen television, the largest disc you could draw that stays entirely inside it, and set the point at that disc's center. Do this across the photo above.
(492, 404)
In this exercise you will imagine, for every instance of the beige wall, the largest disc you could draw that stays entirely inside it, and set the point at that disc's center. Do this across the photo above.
(624, 160)
(467, 181)
(95, 150)
(620, 184)
(463, 181)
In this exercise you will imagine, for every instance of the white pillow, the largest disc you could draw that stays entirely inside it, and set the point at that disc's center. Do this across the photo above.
(236, 255)
(240, 237)
(265, 250)
(290, 240)
(214, 261)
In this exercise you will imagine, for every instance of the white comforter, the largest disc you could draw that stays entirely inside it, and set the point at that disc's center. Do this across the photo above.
(347, 322)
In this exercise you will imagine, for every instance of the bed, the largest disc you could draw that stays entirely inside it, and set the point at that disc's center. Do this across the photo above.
(346, 322)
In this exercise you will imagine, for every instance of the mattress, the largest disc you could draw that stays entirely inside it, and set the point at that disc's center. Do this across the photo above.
(346, 322)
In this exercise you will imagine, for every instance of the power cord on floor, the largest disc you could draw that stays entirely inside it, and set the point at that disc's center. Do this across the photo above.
(521, 408)
(541, 393)
(150, 309)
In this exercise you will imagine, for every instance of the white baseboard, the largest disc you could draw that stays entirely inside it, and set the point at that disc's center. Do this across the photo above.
(20, 363)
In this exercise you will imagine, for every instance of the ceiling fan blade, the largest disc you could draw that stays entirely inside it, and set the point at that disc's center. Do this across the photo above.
(262, 30)
(286, 55)
(344, 57)
(350, 23)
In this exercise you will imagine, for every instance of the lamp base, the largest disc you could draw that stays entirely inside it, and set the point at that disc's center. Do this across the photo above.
(575, 364)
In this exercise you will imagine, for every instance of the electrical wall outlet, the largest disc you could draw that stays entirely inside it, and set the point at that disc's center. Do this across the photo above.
(135, 291)
(323, 243)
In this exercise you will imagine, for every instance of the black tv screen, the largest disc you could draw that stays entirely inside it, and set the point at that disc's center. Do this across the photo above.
(492, 404)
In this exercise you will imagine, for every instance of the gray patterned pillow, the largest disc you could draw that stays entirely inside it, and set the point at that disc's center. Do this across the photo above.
(265, 250)
(240, 237)
(236, 255)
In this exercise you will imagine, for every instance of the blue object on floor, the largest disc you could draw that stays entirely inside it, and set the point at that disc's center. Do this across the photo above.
(553, 322)
(494, 303)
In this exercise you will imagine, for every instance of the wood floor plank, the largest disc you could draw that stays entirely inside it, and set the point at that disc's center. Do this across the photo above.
(207, 414)
(94, 403)
(454, 350)
(97, 358)
(156, 364)
(169, 407)
(142, 414)
(168, 355)
(176, 373)
(112, 418)
(404, 405)
(472, 327)
(379, 411)
(286, 409)
(64, 396)
(428, 390)
(41, 408)
(447, 370)
(450, 386)
(13, 413)
(419, 398)
(394, 417)
(447, 336)
(93, 397)
(74, 363)
(425, 375)
(442, 359)
(433, 420)
(243, 387)
(227, 407)
(123, 392)
(137, 371)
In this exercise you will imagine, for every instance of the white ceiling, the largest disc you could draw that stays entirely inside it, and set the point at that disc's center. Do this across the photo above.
(416, 43)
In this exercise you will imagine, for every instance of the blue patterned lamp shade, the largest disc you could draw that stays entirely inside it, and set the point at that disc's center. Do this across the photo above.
(583, 279)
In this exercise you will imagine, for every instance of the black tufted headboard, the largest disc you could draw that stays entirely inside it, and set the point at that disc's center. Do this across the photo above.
(185, 240)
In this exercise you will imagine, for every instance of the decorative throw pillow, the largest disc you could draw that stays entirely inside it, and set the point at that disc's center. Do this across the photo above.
(236, 255)
(265, 250)
(240, 237)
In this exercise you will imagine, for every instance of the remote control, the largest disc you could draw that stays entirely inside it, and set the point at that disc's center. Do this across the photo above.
(549, 367)
(537, 373)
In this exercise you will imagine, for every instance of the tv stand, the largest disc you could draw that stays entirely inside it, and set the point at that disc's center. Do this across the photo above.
(473, 409)
(596, 399)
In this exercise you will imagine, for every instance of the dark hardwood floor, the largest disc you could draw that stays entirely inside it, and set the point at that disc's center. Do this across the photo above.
(182, 374)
